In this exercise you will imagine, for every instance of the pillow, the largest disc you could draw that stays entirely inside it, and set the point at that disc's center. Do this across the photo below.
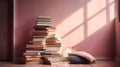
(83, 54)
(78, 60)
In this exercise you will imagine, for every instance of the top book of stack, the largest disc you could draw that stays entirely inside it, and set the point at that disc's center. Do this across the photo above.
(44, 18)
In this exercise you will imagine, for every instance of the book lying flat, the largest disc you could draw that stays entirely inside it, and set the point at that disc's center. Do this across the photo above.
(31, 54)
(38, 45)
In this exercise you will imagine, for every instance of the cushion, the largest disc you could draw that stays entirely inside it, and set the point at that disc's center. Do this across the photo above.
(78, 60)
(83, 54)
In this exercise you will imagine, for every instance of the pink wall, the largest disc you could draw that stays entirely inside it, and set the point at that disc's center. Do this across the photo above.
(117, 28)
(117, 40)
(87, 24)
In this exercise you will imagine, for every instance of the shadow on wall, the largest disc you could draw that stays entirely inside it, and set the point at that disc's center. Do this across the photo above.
(100, 43)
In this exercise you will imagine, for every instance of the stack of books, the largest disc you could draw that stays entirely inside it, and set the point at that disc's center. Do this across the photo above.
(52, 46)
(33, 52)
(40, 29)
(36, 47)
(45, 43)
(53, 59)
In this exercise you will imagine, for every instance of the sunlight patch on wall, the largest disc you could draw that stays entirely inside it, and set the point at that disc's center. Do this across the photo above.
(70, 23)
(93, 7)
(75, 37)
(85, 22)
(96, 23)
(111, 1)
(112, 11)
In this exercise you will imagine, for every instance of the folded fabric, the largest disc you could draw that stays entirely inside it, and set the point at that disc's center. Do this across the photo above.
(83, 54)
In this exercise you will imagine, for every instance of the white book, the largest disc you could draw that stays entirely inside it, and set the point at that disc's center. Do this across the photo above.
(44, 24)
(43, 17)
(52, 48)
(40, 22)
(38, 39)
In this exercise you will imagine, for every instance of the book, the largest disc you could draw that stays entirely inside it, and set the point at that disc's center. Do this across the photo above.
(41, 22)
(40, 27)
(53, 59)
(34, 45)
(53, 56)
(51, 28)
(53, 45)
(51, 41)
(58, 62)
(38, 39)
(44, 24)
(31, 59)
(38, 36)
(53, 37)
(31, 53)
(34, 59)
(39, 56)
(34, 42)
(39, 48)
(52, 52)
(44, 17)
(40, 33)
(52, 48)
(35, 51)
(51, 32)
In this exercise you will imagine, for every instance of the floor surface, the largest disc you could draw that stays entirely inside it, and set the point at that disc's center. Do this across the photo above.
(97, 64)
